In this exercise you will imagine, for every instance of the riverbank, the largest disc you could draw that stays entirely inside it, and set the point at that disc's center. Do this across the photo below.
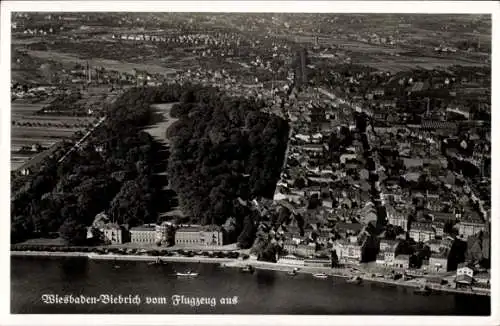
(114, 257)
(344, 273)
(32, 276)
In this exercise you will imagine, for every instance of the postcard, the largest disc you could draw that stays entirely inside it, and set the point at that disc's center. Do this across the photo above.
(293, 163)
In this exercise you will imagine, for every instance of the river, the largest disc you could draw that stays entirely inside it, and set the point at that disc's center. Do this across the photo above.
(263, 292)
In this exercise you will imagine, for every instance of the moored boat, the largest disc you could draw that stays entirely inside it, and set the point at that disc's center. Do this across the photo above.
(293, 272)
(187, 274)
(320, 275)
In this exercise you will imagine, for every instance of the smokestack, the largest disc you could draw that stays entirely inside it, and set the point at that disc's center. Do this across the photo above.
(89, 72)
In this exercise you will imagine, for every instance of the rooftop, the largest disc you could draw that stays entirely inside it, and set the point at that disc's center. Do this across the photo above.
(110, 226)
(357, 227)
(443, 254)
(464, 279)
(143, 228)
(421, 227)
(388, 242)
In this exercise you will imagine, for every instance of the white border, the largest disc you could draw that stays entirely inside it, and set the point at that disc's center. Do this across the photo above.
(450, 7)
(470, 7)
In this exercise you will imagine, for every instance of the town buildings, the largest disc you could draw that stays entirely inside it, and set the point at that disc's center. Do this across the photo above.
(145, 234)
(387, 253)
(469, 228)
(113, 233)
(422, 232)
(349, 251)
(199, 236)
(438, 262)
(164, 232)
(402, 262)
(464, 276)
(397, 217)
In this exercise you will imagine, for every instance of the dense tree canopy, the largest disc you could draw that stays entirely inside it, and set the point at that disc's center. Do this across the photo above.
(223, 148)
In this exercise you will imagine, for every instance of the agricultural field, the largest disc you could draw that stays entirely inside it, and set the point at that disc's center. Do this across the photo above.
(29, 129)
(395, 59)
(24, 107)
(404, 63)
(124, 67)
(42, 132)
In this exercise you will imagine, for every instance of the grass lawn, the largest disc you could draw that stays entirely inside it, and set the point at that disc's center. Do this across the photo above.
(44, 242)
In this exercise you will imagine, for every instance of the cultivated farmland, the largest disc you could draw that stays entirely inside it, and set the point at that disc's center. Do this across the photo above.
(32, 134)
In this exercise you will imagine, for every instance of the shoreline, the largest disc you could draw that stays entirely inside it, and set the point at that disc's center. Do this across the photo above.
(342, 273)
(115, 257)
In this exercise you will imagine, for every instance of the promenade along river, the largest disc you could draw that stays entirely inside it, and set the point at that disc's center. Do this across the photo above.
(85, 286)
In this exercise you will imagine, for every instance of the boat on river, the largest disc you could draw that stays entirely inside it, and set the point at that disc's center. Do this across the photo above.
(293, 272)
(187, 274)
(320, 276)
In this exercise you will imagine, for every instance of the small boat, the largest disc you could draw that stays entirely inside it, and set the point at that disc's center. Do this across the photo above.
(116, 266)
(320, 275)
(293, 272)
(248, 269)
(355, 280)
(187, 274)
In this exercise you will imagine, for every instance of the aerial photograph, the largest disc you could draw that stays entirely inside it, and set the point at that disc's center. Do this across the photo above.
(250, 163)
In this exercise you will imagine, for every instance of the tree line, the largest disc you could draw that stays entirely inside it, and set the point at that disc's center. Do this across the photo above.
(224, 148)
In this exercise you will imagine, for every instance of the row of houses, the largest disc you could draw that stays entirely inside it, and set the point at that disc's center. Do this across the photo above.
(422, 231)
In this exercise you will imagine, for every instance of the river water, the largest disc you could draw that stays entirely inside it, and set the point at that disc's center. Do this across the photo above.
(233, 292)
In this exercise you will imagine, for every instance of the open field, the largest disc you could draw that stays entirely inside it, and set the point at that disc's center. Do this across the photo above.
(36, 158)
(396, 58)
(25, 113)
(53, 121)
(42, 133)
(18, 142)
(28, 129)
(407, 63)
(158, 132)
(66, 58)
(159, 129)
(60, 128)
(16, 162)
(23, 107)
